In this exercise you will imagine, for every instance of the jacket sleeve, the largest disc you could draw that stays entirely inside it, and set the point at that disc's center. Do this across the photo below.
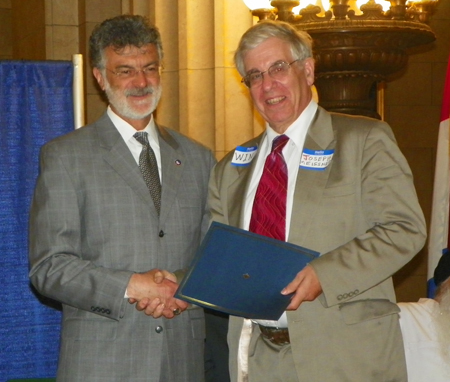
(394, 225)
(57, 267)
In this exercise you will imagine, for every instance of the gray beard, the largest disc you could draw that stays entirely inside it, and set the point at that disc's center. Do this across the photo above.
(120, 103)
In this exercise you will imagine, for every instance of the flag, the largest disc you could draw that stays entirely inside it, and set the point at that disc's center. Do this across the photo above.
(438, 240)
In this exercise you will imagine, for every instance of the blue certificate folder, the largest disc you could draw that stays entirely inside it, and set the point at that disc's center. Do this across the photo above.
(242, 273)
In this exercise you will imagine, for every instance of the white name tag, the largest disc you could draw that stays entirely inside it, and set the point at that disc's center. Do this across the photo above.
(316, 159)
(243, 155)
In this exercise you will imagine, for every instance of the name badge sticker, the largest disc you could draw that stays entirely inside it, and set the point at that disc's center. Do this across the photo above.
(243, 156)
(317, 160)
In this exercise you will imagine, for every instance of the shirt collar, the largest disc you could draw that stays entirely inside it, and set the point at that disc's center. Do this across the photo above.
(297, 131)
(127, 131)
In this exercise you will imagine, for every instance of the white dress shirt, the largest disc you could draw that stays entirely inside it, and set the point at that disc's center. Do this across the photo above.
(127, 131)
(292, 154)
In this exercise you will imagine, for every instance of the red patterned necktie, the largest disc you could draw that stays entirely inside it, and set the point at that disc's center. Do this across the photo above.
(269, 207)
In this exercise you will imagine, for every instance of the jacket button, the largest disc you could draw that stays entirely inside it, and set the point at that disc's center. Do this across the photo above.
(161, 233)
(158, 329)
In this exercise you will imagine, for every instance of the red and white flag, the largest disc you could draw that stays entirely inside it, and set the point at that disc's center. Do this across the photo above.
(438, 240)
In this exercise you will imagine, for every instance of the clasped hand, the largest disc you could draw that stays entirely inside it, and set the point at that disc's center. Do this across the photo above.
(153, 292)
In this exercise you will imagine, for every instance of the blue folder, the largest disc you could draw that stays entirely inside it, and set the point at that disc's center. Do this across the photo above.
(242, 273)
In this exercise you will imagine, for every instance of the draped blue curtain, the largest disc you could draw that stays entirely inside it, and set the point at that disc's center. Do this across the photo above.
(36, 105)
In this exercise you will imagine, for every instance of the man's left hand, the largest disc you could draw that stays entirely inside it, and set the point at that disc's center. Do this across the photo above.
(306, 287)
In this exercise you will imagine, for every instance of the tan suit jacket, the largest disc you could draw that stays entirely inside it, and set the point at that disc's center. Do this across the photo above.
(362, 214)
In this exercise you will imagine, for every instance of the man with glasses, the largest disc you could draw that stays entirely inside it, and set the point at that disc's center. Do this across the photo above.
(116, 204)
(333, 183)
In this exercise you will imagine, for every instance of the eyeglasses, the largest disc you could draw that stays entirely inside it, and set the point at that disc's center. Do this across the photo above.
(277, 71)
(150, 71)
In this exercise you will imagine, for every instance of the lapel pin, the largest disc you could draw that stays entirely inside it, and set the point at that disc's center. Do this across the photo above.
(178, 162)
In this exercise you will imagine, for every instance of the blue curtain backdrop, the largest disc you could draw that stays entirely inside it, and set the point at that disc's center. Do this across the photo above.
(36, 105)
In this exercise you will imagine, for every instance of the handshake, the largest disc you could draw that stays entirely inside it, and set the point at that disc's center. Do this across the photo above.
(153, 292)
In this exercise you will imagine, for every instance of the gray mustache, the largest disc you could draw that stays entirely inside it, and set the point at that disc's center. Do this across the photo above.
(140, 91)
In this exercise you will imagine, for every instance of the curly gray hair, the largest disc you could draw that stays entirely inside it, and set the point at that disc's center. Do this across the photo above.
(119, 32)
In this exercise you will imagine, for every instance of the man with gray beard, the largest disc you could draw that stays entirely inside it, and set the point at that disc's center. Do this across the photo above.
(426, 330)
(119, 206)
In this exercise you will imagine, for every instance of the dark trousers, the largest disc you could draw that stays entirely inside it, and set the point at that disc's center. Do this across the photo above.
(216, 347)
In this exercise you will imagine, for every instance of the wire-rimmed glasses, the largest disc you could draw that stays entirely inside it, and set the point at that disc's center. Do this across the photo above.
(278, 70)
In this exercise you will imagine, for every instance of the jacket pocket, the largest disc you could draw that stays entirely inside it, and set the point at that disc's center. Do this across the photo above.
(354, 312)
(98, 329)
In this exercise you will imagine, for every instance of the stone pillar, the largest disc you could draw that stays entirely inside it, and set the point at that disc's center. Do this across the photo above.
(202, 95)
(62, 38)
(92, 13)
(235, 121)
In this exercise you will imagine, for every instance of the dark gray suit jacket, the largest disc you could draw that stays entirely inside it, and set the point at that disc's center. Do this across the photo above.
(93, 224)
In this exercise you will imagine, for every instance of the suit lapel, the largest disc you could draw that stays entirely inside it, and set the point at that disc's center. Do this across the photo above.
(173, 161)
(310, 184)
(239, 183)
(236, 192)
(118, 156)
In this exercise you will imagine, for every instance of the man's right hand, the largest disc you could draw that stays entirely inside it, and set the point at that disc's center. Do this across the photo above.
(153, 293)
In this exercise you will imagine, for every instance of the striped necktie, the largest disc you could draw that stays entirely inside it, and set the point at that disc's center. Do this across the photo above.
(149, 169)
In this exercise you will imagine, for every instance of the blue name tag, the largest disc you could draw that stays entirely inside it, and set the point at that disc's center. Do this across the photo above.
(243, 156)
(316, 159)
